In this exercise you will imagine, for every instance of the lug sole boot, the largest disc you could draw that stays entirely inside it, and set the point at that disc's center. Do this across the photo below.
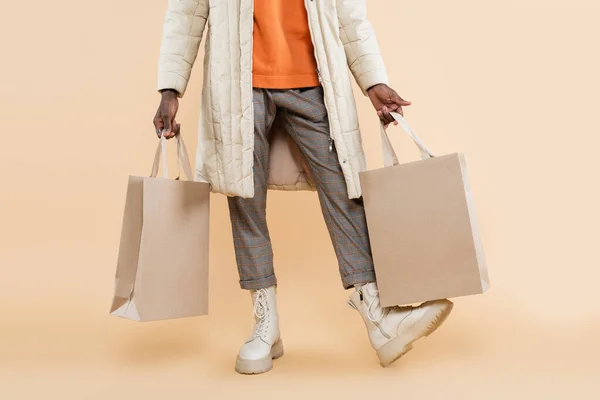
(393, 330)
(257, 353)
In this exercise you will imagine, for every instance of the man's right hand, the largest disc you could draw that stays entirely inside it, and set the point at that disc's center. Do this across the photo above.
(164, 121)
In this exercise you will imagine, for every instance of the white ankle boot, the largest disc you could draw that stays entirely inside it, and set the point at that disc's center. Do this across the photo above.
(257, 354)
(392, 330)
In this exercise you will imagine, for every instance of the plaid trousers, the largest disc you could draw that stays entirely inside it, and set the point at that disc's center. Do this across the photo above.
(305, 118)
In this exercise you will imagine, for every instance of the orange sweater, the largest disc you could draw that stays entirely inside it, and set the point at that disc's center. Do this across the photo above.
(283, 53)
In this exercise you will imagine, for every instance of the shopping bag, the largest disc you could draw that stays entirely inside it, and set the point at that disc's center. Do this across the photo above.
(162, 267)
(422, 226)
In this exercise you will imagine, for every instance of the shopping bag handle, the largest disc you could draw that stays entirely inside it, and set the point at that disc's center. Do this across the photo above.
(389, 155)
(183, 159)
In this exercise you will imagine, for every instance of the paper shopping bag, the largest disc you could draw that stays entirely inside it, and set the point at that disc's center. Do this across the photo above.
(422, 227)
(162, 267)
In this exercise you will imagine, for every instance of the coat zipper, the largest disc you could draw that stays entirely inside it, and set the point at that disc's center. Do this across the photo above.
(330, 136)
(318, 71)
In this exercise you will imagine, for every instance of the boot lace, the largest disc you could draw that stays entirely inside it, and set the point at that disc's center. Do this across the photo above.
(375, 303)
(260, 314)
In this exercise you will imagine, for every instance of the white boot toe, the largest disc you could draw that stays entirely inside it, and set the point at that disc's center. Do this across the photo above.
(255, 349)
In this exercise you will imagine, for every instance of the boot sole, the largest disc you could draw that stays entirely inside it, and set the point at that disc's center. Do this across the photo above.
(401, 345)
(260, 365)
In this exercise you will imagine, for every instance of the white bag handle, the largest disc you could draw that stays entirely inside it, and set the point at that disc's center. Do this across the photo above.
(182, 158)
(389, 155)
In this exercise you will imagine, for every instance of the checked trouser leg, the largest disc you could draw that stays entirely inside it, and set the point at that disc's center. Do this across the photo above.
(305, 118)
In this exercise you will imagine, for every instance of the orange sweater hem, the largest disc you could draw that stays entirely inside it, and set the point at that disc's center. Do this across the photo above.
(285, 82)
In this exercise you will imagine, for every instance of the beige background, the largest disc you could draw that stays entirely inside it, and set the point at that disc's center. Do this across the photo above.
(514, 84)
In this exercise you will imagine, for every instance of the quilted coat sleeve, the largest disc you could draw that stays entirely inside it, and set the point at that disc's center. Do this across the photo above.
(182, 33)
(360, 44)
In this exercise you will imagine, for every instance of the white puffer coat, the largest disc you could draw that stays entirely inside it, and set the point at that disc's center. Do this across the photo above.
(342, 38)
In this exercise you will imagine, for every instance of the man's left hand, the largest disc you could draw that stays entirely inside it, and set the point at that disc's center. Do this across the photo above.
(385, 100)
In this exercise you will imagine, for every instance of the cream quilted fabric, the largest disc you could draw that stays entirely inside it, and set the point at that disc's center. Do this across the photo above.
(345, 44)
